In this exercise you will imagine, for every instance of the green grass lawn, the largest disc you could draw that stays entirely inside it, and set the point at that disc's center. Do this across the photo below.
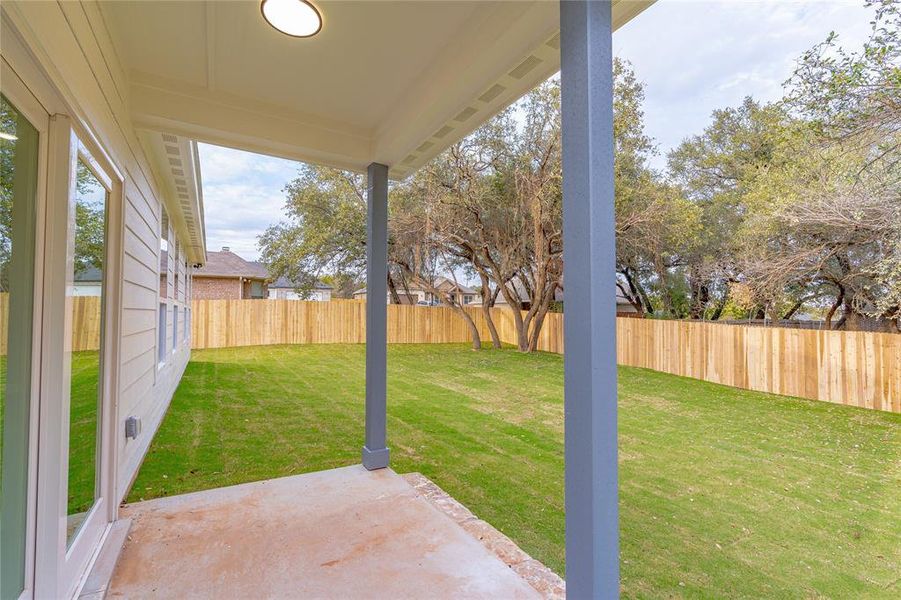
(723, 492)
(83, 427)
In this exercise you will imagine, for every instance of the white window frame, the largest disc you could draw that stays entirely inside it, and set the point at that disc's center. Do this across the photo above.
(62, 565)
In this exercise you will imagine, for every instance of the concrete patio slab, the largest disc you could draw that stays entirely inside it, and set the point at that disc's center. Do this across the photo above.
(343, 533)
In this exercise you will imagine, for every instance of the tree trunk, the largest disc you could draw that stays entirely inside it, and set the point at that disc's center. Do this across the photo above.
(473, 330)
(795, 308)
(486, 311)
(838, 302)
(720, 306)
(395, 299)
(522, 336)
(664, 289)
(538, 320)
(700, 296)
(633, 296)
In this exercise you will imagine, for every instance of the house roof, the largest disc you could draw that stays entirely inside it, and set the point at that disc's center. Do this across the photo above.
(89, 275)
(284, 283)
(229, 264)
(445, 284)
(442, 283)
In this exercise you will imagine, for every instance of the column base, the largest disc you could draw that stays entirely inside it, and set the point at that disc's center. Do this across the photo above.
(375, 459)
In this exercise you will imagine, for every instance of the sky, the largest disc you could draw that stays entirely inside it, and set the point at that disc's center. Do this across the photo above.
(693, 57)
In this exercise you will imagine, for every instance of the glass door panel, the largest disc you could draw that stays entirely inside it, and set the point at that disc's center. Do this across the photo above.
(18, 190)
(85, 300)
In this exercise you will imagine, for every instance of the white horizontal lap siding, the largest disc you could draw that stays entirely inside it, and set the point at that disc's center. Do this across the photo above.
(71, 42)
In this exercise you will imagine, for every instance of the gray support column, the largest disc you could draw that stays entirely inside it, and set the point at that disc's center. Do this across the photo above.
(375, 452)
(592, 536)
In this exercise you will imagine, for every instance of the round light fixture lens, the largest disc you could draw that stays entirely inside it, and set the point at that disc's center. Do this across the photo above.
(297, 18)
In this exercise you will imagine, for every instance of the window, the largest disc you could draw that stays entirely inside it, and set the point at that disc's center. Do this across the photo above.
(161, 342)
(187, 325)
(164, 232)
(88, 260)
(174, 327)
(256, 289)
(175, 272)
(164, 254)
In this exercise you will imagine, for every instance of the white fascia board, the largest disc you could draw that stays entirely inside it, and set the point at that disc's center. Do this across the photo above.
(245, 124)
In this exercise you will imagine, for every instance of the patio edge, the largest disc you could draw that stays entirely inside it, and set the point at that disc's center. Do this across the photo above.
(536, 574)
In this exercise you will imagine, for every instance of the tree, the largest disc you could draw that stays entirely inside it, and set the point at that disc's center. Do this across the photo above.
(816, 227)
(324, 231)
(419, 251)
(851, 102)
(714, 170)
(90, 221)
(90, 206)
(499, 196)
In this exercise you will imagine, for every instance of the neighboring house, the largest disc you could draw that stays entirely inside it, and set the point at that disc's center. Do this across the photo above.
(88, 282)
(418, 293)
(624, 308)
(282, 289)
(228, 276)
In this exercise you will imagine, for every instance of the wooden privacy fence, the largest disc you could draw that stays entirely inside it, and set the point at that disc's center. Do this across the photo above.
(85, 323)
(854, 368)
(226, 323)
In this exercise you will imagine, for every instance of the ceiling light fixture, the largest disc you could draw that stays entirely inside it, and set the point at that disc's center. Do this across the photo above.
(297, 18)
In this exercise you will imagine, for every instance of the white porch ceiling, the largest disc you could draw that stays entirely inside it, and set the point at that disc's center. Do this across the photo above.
(388, 82)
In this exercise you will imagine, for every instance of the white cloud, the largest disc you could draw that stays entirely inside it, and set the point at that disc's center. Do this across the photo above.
(243, 193)
(697, 56)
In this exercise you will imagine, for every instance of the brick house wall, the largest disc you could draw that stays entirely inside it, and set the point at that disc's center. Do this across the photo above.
(216, 288)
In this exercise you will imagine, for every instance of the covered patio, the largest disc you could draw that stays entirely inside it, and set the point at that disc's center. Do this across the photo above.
(382, 87)
(348, 533)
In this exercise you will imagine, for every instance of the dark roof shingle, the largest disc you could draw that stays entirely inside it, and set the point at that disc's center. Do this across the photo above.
(229, 264)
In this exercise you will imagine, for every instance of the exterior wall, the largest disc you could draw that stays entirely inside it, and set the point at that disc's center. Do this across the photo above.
(290, 294)
(216, 288)
(71, 44)
(415, 296)
(86, 289)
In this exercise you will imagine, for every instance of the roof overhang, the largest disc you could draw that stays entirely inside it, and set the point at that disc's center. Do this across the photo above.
(176, 166)
(388, 82)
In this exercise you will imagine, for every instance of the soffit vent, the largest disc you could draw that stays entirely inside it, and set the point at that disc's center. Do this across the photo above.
(424, 146)
(554, 42)
(492, 93)
(443, 131)
(173, 158)
(525, 66)
(465, 114)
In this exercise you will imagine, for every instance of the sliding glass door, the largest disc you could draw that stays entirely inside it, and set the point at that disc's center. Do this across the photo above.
(18, 198)
(61, 230)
